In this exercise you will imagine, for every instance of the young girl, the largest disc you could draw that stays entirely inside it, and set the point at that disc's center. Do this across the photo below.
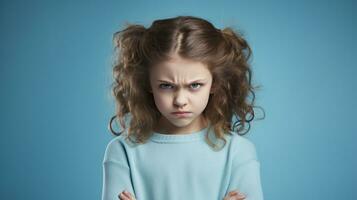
(181, 80)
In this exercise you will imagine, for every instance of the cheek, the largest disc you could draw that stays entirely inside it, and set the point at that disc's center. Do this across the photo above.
(161, 101)
(201, 100)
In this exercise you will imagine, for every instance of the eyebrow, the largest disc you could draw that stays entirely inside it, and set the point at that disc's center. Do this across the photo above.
(197, 80)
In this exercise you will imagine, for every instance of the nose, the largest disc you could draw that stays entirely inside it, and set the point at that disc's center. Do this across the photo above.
(180, 99)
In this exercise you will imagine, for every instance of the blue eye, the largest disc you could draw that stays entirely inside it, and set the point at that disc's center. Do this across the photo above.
(200, 84)
(164, 84)
(169, 86)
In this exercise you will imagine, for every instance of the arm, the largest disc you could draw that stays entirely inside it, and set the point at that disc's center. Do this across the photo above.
(245, 175)
(115, 179)
(247, 180)
(116, 172)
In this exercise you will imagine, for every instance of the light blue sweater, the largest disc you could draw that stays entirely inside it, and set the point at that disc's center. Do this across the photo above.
(176, 167)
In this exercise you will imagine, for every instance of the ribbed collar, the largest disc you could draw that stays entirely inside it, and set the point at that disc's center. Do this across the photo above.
(177, 138)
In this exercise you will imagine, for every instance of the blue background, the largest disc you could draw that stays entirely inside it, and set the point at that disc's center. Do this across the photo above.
(56, 103)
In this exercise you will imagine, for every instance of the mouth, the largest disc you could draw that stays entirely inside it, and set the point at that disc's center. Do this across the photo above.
(181, 114)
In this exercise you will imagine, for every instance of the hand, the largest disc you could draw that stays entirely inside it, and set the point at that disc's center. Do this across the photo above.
(234, 195)
(125, 195)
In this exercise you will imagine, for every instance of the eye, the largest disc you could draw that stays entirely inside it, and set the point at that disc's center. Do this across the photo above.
(196, 84)
(165, 84)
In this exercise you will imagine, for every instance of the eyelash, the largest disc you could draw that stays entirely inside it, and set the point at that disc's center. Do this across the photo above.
(200, 84)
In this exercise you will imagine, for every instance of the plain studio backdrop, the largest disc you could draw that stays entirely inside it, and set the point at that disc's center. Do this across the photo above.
(55, 81)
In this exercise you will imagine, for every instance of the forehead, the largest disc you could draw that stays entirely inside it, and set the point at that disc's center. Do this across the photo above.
(179, 68)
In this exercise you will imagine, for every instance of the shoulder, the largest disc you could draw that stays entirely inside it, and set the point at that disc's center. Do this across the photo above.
(116, 149)
(243, 148)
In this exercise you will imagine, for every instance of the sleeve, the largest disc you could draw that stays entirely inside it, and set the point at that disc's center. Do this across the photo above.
(116, 172)
(245, 176)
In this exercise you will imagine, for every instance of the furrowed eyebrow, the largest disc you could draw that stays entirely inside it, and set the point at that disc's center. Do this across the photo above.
(198, 80)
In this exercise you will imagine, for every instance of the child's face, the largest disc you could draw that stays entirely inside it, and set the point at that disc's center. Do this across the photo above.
(180, 85)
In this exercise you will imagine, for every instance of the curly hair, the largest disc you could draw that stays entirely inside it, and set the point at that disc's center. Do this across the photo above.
(225, 52)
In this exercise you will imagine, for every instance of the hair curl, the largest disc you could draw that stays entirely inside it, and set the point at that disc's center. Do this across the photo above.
(225, 52)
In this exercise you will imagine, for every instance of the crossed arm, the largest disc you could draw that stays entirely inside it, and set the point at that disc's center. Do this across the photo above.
(246, 178)
(233, 195)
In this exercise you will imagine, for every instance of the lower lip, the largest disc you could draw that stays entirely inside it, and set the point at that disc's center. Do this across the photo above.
(182, 114)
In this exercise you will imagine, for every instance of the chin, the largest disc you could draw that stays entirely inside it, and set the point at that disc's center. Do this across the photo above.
(182, 124)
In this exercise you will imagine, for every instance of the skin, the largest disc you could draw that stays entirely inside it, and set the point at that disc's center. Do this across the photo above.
(186, 86)
(179, 93)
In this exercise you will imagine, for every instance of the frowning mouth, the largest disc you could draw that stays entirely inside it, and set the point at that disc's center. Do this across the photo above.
(179, 112)
(182, 114)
